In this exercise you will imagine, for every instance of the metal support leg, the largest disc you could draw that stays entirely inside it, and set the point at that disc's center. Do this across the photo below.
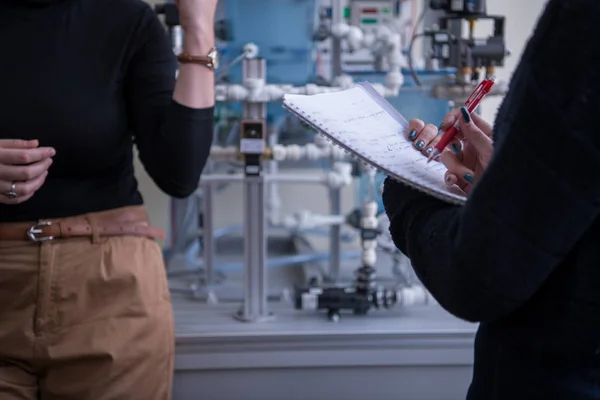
(335, 236)
(337, 16)
(255, 252)
(208, 240)
(255, 232)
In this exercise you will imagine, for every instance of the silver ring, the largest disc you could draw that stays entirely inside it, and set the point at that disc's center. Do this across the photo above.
(12, 192)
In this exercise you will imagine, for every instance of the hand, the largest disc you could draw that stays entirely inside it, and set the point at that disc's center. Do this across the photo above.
(24, 164)
(467, 156)
(197, 15)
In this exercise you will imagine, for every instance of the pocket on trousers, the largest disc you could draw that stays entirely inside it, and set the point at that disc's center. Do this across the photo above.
(118, 277)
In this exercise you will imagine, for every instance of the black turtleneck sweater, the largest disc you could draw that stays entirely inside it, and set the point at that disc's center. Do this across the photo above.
(91, 78)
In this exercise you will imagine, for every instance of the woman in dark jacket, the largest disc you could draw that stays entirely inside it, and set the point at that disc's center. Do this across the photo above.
(522, 257)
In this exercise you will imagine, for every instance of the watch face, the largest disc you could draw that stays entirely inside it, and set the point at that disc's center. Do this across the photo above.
(214, 56)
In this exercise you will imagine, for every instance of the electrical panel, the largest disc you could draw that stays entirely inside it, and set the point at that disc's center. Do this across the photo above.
(370, 14)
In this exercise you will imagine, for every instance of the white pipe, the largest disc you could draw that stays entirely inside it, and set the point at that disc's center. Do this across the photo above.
(335, 178)
(226, 178)
(382, 42)
(262, 92)
(310, 151)
(307, 220)
(414, 295)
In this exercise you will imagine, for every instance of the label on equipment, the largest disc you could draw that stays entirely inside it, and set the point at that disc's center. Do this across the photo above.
(252, 146)
(309, 301)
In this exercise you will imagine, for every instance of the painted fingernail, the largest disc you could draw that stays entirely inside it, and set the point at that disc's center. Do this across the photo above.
(448, 178)
(420, 144)
(456, 148)
(428, 150)
(465, 114)
(469, 178)
(412, 135)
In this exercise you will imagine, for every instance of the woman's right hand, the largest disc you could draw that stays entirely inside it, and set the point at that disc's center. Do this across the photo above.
(25, 165)
(467, 156)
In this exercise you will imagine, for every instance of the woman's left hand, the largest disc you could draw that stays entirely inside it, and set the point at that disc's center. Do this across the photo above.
(197, 15)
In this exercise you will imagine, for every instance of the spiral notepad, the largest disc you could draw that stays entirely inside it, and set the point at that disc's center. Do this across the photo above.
(363, 123)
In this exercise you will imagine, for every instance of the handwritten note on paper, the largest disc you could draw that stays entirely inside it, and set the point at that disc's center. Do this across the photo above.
(369, 126)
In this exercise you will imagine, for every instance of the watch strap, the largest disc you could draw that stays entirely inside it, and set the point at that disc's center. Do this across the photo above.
(191, 59)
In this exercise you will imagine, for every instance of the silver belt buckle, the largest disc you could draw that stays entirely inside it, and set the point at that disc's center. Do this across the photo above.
(38, 229)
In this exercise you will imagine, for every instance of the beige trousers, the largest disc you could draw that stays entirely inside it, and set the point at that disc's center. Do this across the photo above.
(85, 319)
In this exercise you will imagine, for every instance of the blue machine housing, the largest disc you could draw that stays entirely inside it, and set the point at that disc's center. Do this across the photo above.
(282, 30)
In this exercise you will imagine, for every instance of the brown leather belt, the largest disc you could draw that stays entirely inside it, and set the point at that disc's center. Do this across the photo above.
(120, 222)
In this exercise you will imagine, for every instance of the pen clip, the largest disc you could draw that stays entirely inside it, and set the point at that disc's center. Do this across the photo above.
(476, 93)
(480, 92)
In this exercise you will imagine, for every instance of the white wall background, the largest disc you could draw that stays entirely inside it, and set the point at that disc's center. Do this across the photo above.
(521, 16)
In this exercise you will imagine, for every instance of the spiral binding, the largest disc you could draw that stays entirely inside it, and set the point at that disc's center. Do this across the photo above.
(308, 120)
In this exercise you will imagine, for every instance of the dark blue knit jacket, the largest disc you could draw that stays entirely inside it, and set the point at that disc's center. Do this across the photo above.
(522, 257)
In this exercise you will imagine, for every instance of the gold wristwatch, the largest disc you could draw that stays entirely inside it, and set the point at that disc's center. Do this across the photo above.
(210, 61)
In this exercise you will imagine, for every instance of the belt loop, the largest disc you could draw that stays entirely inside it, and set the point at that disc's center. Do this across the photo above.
(95, 231)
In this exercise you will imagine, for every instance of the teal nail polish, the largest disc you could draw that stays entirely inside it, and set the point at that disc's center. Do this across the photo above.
(428, 150)
(469, 178)
(465, 114)
(456, 148)
(412, 135)
(420, 144)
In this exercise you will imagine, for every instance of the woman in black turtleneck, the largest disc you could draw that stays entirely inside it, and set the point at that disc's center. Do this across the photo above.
(523, 255)
(84, 305)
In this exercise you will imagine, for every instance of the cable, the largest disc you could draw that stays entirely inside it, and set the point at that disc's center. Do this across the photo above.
(415, 36)
(410, 62)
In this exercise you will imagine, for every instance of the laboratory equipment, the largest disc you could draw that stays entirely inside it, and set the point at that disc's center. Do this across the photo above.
(310, 47)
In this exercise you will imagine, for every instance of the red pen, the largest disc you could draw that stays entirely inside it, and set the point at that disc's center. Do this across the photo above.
(471, 104)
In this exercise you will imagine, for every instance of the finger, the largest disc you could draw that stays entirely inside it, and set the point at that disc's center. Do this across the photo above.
(414, 127)
(16, 173)
(18, 144)
(16, 200)
(456, 147)
(482, 124)
(449, 120)
(481, 142)
(450, 179)
(425, 136)
(463, 174)
(23, 189)
(25, 156)
(454, 115)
